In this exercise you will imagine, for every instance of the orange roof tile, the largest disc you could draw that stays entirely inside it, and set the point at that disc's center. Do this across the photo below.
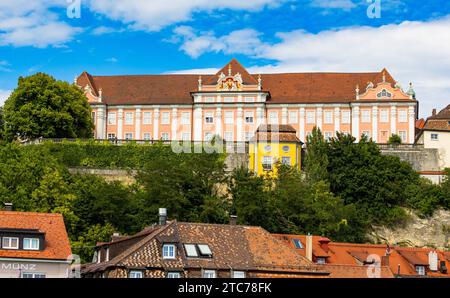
(57, 246)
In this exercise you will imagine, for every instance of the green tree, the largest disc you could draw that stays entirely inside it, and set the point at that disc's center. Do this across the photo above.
(2, 124)
(41, 106)
(394, 139)
(425, 197)
(85, 244)
(316, 159)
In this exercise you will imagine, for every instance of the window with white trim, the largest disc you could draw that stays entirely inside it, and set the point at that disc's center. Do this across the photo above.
(328, 135)
(147, 118)
(229, 117)
(273, 117)
(420, 270)
(286, 160)
(147, 136)
(128, 136)
(129, 118)
(10, 243)
(165, 118)
(135, 274)
(402, 116)
(248, 136)
(209, 118)
(328, 117)
(293, 117)
(434, 137)
(249, 117)
(321, 261)
(173, 275)
(365, 117)
(210, 99)
(384, 115)
(267, 163)
(31, 243)
(111, 136)
(112, 118)
(169, 251)
(186, 136)
(403, 135)
(185, 118)
(228, 99)
(238, 274)
(310, 117)
(249, 99)
(208, 136)
(345, 117)
(228, 136)
(33, 275)
(165, 136)
(366, 133)
(209, 274)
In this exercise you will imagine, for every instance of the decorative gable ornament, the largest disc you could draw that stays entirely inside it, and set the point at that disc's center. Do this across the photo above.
(230, 82)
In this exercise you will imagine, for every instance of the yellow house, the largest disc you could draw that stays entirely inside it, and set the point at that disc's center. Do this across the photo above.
(272, 144)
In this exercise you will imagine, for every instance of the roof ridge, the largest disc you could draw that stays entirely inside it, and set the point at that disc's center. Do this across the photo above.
(30, 213)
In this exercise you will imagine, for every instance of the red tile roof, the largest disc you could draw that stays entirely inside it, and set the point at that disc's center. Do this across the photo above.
(283, 87)
(57, 246)
(440, 121)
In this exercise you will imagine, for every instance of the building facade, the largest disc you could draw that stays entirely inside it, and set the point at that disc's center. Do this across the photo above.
(233, 103)
(33, 245)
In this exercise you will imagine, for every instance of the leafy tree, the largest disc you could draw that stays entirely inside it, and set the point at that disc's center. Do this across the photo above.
(41, 106)
(85, 244)
(2, 124)
(424, 197)
(395, 139)
(316, 159)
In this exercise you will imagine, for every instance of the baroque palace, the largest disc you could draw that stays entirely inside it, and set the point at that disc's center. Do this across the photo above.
(233, 103)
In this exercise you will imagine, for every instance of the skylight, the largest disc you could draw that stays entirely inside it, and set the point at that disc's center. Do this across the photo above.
(298, 244)
(191, 251)
(204, 250)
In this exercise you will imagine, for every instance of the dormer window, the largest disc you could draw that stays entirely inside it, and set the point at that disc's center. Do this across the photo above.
(169, 251)
(321, 261)
(420, 270)
(384, 94)
(31, 243)
(10, 243)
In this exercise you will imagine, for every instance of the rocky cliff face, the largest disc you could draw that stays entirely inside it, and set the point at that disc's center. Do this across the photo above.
(419, 232)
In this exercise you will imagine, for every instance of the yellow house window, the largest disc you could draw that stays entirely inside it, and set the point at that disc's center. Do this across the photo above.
(267, 163)
(286, 160)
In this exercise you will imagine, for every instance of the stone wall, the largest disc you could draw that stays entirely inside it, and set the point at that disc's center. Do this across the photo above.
(421, 159)
(124, 176)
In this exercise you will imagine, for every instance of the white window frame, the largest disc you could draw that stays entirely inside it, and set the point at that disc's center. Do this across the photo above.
(293, 117)
(402, 116)
(173, 275)
(346, 117)
(209, 274)
(129, 118)
(111, 136)
(10, 239)
(210, 99)
(209, 118)
(248, 136)
(249, 99)
(284, 158)
(30, 240)
(267, 160)
(228, 99)
(208, 136)
(147, 118)
(165, 118)
(403, 134)
(127, 134)
(147, 136)
(249, 115)
(33, 275)
(165, 136)
(310, 117)
(328, 135)
(434, 139)
(384, 116)
(366, 133)
(185, 118)
(273, 117)
(186, 136)
(135, 274)
(228, 136)
(112, 119)
(421, 270)
(238, 274)
(365, 116)
(229, 117)
(328, 117)
(170, 253)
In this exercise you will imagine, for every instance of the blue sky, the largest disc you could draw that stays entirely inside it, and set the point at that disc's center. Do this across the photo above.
(411, 39)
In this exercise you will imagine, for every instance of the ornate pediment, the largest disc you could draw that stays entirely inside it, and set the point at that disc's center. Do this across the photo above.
(382, 91)
(229, 83)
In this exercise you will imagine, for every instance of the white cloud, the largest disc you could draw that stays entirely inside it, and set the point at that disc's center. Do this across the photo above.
(156, 14)
(5, 66)
(411, 51)
(334, 4)
(112, 60)
(32, 23)
(102, 30)
(245, 41)
(4, 94)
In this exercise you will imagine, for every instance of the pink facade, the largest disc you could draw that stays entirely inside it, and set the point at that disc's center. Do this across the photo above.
(233, 105)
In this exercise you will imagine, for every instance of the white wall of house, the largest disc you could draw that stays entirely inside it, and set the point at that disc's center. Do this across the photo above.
(14, 268)
(442, 143)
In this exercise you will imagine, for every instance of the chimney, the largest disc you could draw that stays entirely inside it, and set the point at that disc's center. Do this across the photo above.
(162, 216)
(434, 112)
(8, 206)
(324, 243)
(433, 260)
(233, 220)
(309, 239)
(443, 267)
